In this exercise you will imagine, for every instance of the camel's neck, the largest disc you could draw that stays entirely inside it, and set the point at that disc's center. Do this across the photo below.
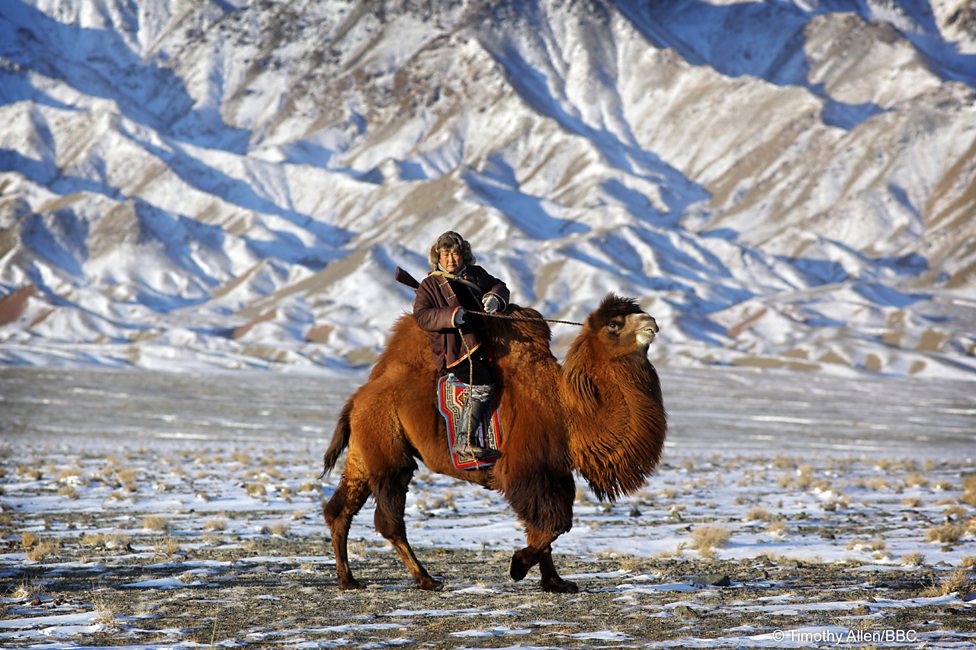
(615, 417)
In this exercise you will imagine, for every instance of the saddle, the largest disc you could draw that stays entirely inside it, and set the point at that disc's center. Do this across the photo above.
(451, 397)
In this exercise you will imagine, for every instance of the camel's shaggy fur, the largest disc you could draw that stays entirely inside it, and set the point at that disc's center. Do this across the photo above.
(601, 414)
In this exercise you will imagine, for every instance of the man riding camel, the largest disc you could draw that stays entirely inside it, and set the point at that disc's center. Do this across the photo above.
(455, 287)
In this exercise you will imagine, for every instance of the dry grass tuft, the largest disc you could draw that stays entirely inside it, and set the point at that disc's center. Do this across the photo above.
(71, 475)
(705, 539)
(27, 591)
(44, 549)
(279, 529)
(155, 523)
(256, 490)
(215, 523)
(313, 486)
(913, 559)
(104, 613)
(103, 540)
(28, 539)
(944, 534)
(68, 491)
(915, 479)
(758, 514)
(955, 511)
(959, 582)
(968, 490)
(167, 547)
(776, 529)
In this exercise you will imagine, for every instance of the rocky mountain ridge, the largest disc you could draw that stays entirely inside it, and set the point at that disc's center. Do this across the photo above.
(220, 184)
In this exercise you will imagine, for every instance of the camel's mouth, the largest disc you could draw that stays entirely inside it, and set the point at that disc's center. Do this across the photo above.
(647, 331)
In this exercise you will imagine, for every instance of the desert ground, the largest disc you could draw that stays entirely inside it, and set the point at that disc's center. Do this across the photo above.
(147, 509)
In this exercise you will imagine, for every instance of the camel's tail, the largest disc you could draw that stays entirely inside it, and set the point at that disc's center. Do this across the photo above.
(340, 439)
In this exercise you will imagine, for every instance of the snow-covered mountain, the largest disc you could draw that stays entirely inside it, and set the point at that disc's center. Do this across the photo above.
(215, 182)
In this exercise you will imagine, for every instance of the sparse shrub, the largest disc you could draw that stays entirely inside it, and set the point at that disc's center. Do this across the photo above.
(27, 591)
(776, 529)
(758, 514)
(167, 547)
(256, 490)
(104, 613)
(68, 491)
(968, 562)
(944, 534)
(913, 559)
(959, 582)
(968, 490)
(911, 502)
(877, 545)
(706, 538)
(128, 478)
(914, 479)
(44, 549)
(28, 539)
(279, 529)
(30, 473)
(155, 523)
(954, 510)
(215, 523)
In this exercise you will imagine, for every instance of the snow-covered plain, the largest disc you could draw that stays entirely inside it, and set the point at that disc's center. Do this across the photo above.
(160, 484)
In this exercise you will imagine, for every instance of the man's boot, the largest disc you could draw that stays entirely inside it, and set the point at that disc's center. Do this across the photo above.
(467, 440)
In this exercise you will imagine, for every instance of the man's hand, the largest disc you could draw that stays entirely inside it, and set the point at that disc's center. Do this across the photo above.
(491, 303)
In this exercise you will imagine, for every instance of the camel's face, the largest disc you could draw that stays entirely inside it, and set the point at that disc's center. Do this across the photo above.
(621, 327)
(628, 333)
(647, 329)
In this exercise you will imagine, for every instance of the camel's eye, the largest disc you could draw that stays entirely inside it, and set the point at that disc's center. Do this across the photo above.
(613, 326)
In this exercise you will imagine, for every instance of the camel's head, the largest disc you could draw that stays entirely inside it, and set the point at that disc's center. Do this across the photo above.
(622, 326)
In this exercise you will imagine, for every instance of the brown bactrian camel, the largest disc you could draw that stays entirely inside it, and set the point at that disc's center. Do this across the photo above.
(601, 413)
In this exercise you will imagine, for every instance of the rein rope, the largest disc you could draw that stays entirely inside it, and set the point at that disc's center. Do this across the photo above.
(522, 318)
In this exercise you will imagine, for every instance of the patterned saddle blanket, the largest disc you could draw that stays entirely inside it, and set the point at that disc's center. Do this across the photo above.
(451, 396)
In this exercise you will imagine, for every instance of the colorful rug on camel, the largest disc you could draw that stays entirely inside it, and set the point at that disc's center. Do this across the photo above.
(451, 397)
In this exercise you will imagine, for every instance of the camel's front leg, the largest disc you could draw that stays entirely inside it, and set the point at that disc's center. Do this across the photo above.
(390, 494)
(550, 578)
(539, 551)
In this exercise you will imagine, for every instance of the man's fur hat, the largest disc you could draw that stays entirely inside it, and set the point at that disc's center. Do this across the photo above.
(451, 241)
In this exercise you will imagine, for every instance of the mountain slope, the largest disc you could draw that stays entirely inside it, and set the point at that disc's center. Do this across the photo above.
(785, 184)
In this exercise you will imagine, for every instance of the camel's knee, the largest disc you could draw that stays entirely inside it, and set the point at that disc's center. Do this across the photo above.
(333, 508)
(389, 525)
(345, 503)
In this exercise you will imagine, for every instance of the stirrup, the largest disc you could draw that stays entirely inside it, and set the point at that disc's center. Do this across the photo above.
(483, 453)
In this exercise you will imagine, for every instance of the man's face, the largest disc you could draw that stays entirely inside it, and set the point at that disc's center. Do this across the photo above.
(450, 260)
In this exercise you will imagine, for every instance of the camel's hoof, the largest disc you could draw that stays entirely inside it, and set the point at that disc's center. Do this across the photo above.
(429, 584)
(518, 568)
(351, 583)
(559, 586)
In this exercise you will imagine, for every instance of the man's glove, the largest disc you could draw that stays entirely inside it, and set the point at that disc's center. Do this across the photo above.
(459, 317)
(491, 303)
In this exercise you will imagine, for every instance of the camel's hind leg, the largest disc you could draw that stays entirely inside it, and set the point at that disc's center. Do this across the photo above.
(339, 511)
(390, 492)
(539, 551)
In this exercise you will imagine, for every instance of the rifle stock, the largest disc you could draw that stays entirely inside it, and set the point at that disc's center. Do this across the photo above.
(403, 277)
